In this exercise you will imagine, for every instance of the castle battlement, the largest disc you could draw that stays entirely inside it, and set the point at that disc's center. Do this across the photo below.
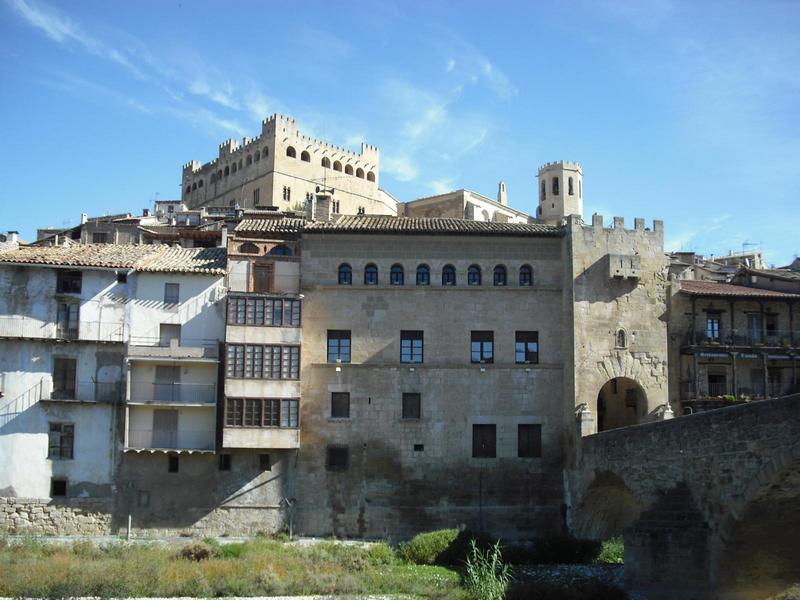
(618, 224)
(562, 164)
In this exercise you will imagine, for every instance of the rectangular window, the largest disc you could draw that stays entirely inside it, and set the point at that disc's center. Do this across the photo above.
(484, 441)
(338, 458)
(173, 464)
(338, 346)
(58, 488)
(100, 238)
(262, 279)
(256, 361)
(526, 347)
(529, 441)
(68, 282)
(261, 412)
(771, 324)
(265, 462)
(754, 328)
(256, 196)
(224, 462)
(482, 346)
(713, 327)
(411, 346)
(67, 320)
(61, 440)
(340, 405)
(64, 378)
(171, 293)
(412, 406)
(167, 333)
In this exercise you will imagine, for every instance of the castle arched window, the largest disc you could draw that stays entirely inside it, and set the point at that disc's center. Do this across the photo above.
(219, 174)
(621, 340)
(337, 166)
(543, 193)
(249, 159)
(474, 275)
(345, 274)
(281, 250)
(360, 173)
(291, 152)
(234, 166)
(305, 156)
(396, 275)
(448, 275)
(200, 183)
(370, 275)
(499, 276)
(227, 171)
(265, 152)
(248, 248)
(194, 186)
(348, 169)
(257, 156)
(188, 189)
(525, 276)
(371, 176)
(423, 275)
(326, 162)
(556, 191)
(570, 189)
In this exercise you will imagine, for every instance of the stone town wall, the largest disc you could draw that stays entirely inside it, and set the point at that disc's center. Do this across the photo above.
(42, 516)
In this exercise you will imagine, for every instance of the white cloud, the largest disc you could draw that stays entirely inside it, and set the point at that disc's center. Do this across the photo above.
(221, 93)
(442, 186)
(400, 167)
(451, 64)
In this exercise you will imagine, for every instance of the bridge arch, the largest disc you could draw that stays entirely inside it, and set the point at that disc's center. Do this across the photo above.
(620, 402)
(608, 507)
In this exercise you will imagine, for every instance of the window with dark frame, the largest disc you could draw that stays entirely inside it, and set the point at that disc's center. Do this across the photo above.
(67, 320)
(484, 441)
(262, 412)
(448, 275)
(68, 282)
(474, 275)
(499, 275)
(257, 361)
(58, 487)
(529, 440)
(411, 346)
(525, 276)
(412, 405)
(171, 293)
(339, 346)
(371, 275)
(423, 275)
(269, 312)
(99, 237)
(482, 347)
(338, 458)
(713, 323)
(64, 370)
(345, 274)
(340, 405)
(396, 275)
(173, 463)
(122, 277)
(265, 462)
(526, 347)
(61, 441)
(224, 462)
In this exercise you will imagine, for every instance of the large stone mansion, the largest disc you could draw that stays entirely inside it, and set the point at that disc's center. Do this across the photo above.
(334, 361)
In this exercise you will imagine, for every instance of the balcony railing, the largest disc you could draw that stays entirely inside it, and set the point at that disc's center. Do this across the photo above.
(171, 439)
(94, 331)
(87, 391)
(776, 339)
(173, 393)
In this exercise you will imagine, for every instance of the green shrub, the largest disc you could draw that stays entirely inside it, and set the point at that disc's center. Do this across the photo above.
(380, 554)
(234, 550)
(427, 548)
(612, 552)
(485, 575)
(197, 552)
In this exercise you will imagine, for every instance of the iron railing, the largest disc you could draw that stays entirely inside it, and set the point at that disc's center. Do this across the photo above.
(776, 338)
(173, 393)
(95, 331)
(171, 439)
(86, 391)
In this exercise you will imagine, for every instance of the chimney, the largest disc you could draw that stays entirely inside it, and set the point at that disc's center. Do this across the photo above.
(84, 218)
(13, 237)
(145, 212)
(502, 197)
(223, 241)
(322, 207)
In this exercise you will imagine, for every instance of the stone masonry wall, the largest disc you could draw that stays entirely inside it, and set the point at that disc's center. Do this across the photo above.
(42, 516)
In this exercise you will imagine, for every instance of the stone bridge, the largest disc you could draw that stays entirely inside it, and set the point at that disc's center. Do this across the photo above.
(708, 504)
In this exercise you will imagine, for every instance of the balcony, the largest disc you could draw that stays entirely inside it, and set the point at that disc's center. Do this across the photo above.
(173, 393)
(201, 350)
(86, 391)
(170, 439)
(266, 438)
(773, 339)
(91, 331)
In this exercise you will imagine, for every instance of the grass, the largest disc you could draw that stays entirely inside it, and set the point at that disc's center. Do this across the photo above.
(257, 567)
(612, 552)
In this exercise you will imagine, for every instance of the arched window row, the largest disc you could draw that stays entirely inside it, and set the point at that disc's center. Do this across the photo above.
(235, 166)
(348, 169)
(423, 275)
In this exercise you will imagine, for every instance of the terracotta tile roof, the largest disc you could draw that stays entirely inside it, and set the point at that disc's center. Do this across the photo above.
(785, 274)
(117, 256)
(210, 261)
(441, 226)
(711, 288)
(271, 225)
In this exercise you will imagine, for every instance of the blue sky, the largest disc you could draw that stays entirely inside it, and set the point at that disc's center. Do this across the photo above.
(681, 111)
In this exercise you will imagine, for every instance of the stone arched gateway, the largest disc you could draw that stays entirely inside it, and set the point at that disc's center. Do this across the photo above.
(620, 402)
